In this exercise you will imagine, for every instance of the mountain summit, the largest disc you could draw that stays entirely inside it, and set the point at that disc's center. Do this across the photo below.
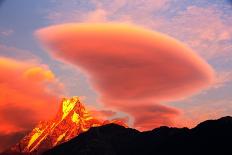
(71, 120)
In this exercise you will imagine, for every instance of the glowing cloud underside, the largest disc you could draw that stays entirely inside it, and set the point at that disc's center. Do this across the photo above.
(25, 95)
(126, 63)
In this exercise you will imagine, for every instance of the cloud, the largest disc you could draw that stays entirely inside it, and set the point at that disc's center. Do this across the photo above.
(16, 53)
(101, 114)
(129, 63)
(6, 32)
(152, 116)
(142, 6)
(104, 10)
(106, 114)
(98, 15)
(222, 79)
(10, 114)
(209, 35)
(7, 140)
(28, 94)
(211, 31)
(148, 115)
(199, 110)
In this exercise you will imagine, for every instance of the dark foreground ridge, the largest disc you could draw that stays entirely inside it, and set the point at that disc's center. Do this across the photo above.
(209, 137)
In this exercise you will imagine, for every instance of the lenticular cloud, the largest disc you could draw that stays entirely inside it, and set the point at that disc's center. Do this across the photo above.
(128, 65)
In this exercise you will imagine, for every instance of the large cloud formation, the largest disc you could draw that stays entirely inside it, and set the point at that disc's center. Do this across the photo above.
(129, 66)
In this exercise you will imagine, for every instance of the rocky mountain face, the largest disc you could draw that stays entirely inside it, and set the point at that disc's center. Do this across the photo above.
(209, 137)
(71, 120)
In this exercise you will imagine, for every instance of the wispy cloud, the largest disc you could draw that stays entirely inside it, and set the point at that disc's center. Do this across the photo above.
(208, 109)
(6, 32)
(222, 79)
(115, 10)
(17, 53)
(205, 29)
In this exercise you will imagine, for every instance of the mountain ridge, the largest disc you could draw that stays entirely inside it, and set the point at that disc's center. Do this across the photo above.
(208, 137)
(75, 130)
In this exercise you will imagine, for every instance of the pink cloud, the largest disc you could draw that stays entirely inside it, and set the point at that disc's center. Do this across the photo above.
(98, 15)
(6, 32)
(19, 54)
(147, 114)
(201, 110)
(114, 10)
(129, 63)
(209, 35)
(152, 116)
(101, 114)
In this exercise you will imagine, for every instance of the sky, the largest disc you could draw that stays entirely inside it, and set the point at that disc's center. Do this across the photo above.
(33, 78)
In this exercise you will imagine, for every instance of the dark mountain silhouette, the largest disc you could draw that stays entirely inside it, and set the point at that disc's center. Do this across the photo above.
(209, 137)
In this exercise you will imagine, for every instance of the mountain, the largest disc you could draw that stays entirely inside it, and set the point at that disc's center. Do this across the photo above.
(209, 137)
(75, 131)
(71, 120)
